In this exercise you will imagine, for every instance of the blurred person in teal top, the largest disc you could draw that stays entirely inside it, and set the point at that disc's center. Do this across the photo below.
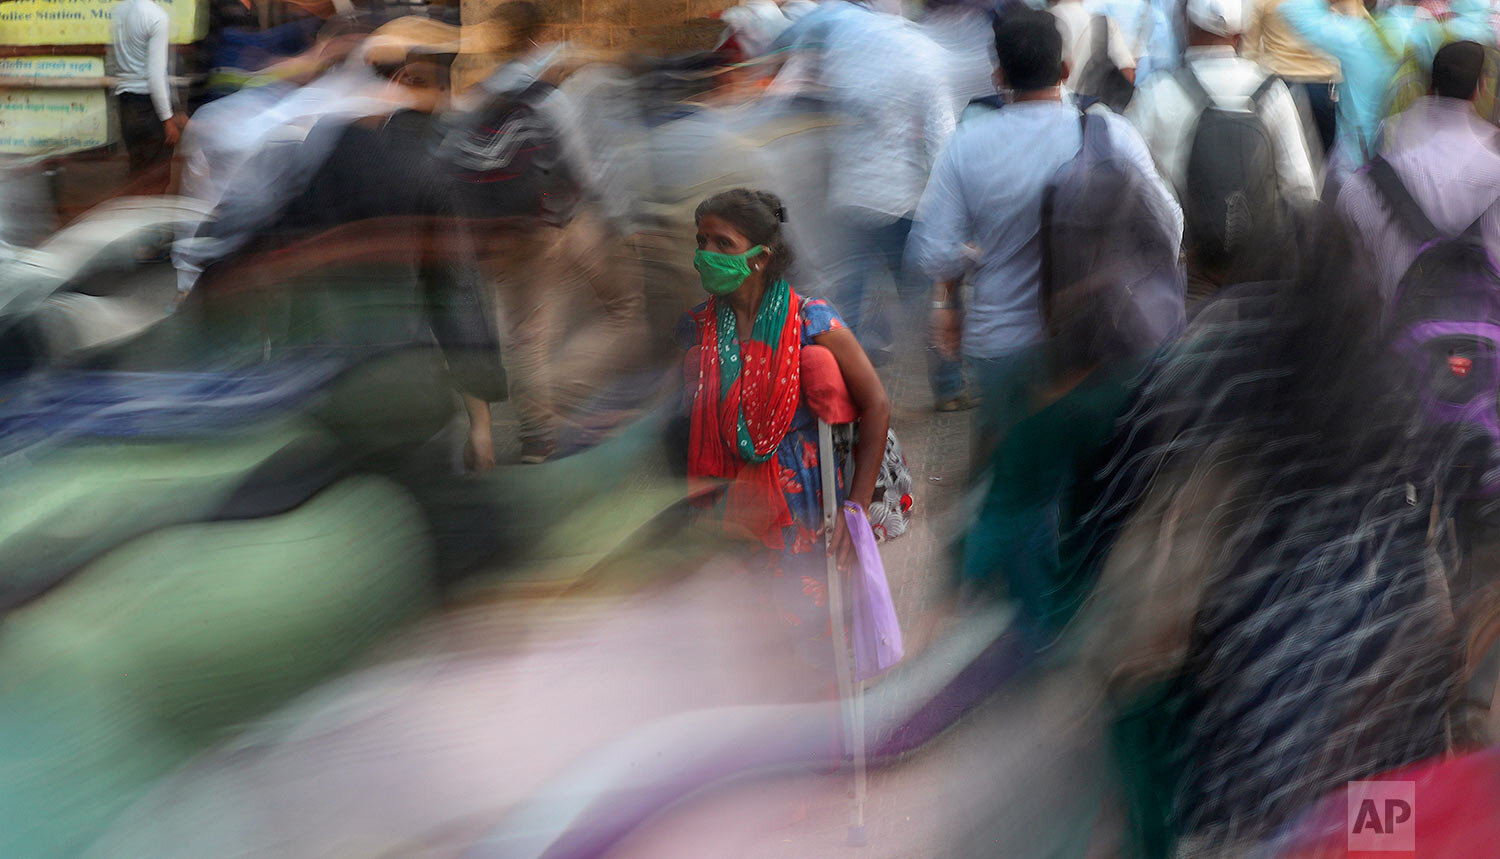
(1370, 52)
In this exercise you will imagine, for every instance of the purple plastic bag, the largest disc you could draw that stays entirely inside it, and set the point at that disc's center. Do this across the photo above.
(877, 632)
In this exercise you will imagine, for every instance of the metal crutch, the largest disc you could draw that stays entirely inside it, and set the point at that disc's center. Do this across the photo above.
(851, 691)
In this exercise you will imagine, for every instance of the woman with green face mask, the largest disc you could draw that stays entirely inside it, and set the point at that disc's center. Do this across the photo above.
(749, 427)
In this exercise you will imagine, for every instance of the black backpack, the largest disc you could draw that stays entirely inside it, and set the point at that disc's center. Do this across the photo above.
(1445, 321)
(506, 159)
(1231, 200)
(1101, 79)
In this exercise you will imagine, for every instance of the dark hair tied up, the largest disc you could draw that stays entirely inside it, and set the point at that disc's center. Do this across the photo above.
(758, 215)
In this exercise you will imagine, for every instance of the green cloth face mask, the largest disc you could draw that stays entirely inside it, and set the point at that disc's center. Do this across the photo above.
(723, 273)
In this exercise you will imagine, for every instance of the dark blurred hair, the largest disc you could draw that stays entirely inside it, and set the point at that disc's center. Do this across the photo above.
(348, 24)
(758, 215)
(980, 6)
(665, 82)
(1455, 70)
(443, 62)
(1344, 398)
(523, 17)
(1029, 47)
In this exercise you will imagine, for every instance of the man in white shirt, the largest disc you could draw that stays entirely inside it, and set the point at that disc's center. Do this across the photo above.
(1148, 29)
(139, 32)
(1076, 24)
(962, 29)
(1166, 113)
(889, 84)
(1167, 108)
(986, 193)
(535, 268)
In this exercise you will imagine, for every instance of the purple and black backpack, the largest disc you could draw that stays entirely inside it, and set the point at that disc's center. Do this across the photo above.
(1445, 317)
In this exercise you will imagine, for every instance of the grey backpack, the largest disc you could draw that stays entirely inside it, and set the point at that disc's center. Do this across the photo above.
(1231, 200)
(1111, 286)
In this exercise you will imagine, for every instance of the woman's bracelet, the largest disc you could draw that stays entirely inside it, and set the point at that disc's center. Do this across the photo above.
(942, 305)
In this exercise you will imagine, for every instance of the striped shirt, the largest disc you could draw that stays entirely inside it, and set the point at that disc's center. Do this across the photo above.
(1449, 159)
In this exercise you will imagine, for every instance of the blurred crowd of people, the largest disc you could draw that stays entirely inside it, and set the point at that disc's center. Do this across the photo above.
(1215, 278)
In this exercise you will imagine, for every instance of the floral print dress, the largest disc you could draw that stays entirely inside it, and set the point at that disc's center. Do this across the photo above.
(799, 574)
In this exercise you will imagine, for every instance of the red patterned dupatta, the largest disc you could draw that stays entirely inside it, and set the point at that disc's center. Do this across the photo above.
(747, 394)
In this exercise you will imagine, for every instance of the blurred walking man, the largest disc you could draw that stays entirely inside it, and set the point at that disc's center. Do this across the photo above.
(1448, 160)
(149, 127)
(986, 192)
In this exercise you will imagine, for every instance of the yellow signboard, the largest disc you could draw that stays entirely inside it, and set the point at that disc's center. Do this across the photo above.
(34, 121)
(86, 22)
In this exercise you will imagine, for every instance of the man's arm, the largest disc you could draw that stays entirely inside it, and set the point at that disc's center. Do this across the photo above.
(479, 447)
(156, 79)
(1293, 160)
(156, 68)
(941, 225)
(458, 301)
(461, 319)
(1325, 29)
(1144, 115)
(1121, 51)
(1129, 143)
(1250, 42)
(465, 330)
(939, 120)
(936, 246)
(947, 320)
(559, 111)
(111, 59)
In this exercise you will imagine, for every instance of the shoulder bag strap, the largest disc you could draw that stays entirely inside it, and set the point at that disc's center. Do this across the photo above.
(1400, 200)
(1087, 129)
(1188, 80)
(1476, 229)
(1263, 89)
(1044, 235)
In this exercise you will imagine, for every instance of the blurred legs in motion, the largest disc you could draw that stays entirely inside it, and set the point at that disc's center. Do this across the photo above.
(601, 347)
(1007, 386)
(873, 248)
(523, 274)
(556, 362)
(1321, 105)
(669, 286)
(141, 132)
(798, 589)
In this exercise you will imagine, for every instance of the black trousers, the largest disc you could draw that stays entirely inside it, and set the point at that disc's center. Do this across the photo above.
(140, 129)
(1324, 110)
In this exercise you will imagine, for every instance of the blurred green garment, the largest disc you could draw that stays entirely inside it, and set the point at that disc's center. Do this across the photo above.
(163, 644)
(1038, 474)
